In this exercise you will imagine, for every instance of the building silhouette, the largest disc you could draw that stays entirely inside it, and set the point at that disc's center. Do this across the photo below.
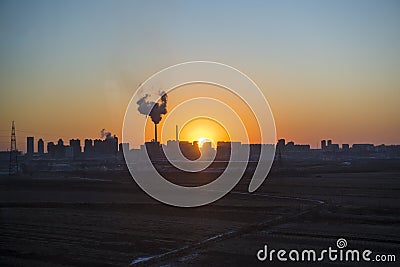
(323, 144)
(123, 147)
(29, 145)
(224, 149)
(329, 146)
(75, 144)
(154, 151)
(363, 147)
(88, 147)
(57, 151)
(190, 150)
(108, 146)
(40, 147)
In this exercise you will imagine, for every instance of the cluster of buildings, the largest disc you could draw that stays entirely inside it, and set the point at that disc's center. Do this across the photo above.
(330, 150)
(106, 154)
(92, 148)
(109, 147)
(282, 146)
(192, 150)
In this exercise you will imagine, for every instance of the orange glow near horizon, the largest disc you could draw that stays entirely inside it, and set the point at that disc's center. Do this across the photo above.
(299, 118)
(203, 130)
(213, 128)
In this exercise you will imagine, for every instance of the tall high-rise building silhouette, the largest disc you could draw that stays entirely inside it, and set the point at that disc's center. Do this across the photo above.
(323, 144)
(40, 146)
(88, 148)
(76, 147)
(29, 145)
(280, 146)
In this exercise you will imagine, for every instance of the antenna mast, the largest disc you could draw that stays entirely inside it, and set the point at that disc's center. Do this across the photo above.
(13, 166)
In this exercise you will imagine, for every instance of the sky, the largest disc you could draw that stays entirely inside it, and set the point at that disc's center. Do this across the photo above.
(204, 111)
(329, 69)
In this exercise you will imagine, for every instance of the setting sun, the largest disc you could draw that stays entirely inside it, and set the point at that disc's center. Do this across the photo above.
(203, 140)
(203, 130)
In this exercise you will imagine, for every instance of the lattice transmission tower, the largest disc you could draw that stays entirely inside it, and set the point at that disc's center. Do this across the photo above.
(13, 166)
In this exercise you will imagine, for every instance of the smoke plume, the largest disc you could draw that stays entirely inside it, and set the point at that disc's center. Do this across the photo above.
(104, 133)
(159, 108)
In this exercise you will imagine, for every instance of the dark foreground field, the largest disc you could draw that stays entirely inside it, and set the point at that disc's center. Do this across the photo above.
(69, 220)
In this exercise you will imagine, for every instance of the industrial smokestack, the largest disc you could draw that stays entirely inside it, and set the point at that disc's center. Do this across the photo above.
(155, 132)
(153, 109)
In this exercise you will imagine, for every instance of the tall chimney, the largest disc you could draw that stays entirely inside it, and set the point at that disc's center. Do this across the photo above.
(176, 132)
(155, 132)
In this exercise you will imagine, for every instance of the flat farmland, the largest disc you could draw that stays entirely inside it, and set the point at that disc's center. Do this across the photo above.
(107, 220)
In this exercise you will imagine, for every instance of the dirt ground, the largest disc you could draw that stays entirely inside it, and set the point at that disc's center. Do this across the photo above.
(76, 220)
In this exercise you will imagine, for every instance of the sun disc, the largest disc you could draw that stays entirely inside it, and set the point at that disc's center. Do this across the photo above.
(203, 140)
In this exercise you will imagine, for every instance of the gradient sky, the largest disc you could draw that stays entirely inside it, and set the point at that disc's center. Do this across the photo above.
(204, 111)
(329, 69)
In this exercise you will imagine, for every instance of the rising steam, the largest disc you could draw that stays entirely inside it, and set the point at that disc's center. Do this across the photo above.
(104, 133)
(159, 108)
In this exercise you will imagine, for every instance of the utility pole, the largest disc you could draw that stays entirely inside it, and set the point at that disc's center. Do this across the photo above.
(13, 166)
